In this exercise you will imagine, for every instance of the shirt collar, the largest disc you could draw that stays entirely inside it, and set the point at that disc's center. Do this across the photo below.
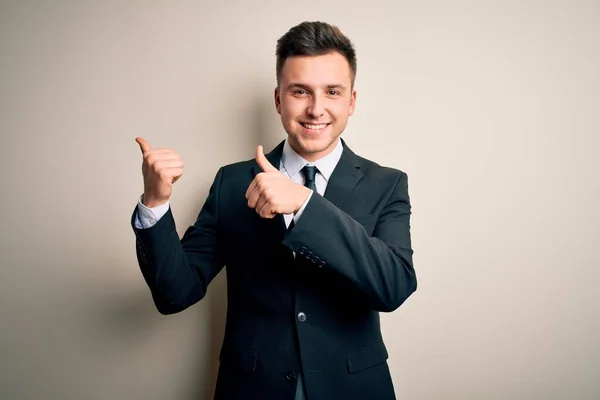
(293, 162)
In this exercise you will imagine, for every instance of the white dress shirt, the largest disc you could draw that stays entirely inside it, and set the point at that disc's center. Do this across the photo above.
(291, 165)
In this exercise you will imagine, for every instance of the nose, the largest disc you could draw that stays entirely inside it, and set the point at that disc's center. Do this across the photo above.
(316, 108)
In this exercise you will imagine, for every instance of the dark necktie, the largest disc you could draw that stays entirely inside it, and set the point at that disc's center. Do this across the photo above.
(310, 171)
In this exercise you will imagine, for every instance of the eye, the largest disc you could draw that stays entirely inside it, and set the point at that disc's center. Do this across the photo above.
(300, 92)
(333, 92)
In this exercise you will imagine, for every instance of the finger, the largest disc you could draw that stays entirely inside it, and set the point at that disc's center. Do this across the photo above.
(251, 188)
(152, 158)
(254, 197)
(144, 146)
(260, 204)
(168, 164)
(170, 175)
(177, 173)
(259, 181)
(162, 151)
(262, 161)
(265, 208)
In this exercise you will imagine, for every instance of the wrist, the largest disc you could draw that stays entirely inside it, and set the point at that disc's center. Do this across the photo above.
(152, 202)
(306, 193)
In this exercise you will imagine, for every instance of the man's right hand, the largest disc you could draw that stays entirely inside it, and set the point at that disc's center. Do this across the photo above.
(161, 168)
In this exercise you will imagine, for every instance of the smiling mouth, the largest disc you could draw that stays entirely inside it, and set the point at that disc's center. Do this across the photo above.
(314, 127)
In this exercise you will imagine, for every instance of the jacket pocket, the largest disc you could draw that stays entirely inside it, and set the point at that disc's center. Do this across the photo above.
(367, 357)
(242, 359)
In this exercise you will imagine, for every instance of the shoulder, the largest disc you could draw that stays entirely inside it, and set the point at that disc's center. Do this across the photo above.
(384, 179)
(374, 170)
(239, 166)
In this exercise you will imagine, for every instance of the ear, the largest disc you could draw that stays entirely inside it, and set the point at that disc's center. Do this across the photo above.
(277, 100)
(352, 104)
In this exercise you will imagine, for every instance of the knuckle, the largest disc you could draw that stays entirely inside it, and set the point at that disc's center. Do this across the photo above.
(275, 206)
(156, 167)
(163, 174)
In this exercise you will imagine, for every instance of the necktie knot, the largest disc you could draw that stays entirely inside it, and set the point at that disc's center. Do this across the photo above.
(310, 171)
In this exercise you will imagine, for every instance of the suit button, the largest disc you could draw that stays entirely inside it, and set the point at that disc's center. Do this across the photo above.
(290, 376)
(301, 317)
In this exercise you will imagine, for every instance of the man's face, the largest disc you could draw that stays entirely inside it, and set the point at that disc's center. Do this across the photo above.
(315, 98)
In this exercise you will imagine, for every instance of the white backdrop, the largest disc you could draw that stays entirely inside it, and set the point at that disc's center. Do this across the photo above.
(490, 107)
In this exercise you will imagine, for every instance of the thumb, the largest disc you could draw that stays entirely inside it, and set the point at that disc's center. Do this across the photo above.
(144, 146)
(262, 161)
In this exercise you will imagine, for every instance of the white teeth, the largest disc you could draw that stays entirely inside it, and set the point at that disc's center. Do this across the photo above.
(314, 127)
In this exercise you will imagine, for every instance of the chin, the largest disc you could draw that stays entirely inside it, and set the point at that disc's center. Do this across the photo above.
(312, 143)
(313, 146)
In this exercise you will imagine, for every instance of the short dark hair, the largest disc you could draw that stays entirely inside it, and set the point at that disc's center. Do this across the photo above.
(314, 39)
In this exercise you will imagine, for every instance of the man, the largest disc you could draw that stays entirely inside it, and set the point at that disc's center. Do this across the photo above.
(315, 239)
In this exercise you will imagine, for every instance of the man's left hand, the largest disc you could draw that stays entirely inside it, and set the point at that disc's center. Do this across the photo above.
(272, 193)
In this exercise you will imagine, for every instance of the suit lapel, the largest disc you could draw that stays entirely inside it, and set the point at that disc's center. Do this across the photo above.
(344, 178)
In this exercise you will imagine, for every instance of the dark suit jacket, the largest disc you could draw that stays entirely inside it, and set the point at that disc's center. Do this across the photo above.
(316, 313)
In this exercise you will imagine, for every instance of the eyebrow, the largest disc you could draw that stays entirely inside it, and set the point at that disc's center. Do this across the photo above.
(303, 86)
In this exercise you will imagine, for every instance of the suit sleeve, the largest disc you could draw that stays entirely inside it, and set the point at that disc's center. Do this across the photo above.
(178, 272)
(379, 266)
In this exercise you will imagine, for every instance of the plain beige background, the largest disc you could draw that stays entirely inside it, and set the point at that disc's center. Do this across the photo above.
(490, 107)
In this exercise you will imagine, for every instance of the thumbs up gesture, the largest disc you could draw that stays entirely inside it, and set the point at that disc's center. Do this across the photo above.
(161, 168)
(272, 193)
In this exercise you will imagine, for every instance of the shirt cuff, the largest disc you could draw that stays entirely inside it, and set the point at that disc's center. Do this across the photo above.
(301, 210)
(147, 217)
